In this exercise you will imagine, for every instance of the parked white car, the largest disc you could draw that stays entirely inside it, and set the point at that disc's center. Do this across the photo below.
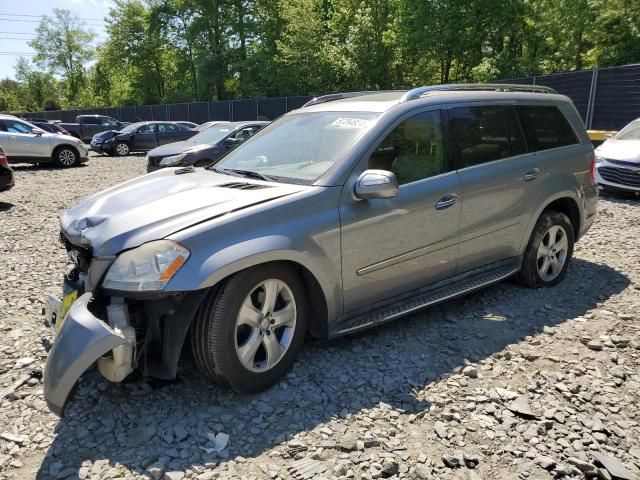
(23, 142)
(618, 160)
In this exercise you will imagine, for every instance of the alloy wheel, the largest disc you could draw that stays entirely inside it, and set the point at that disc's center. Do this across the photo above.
(552, 253)
(122, 149)
(265, 325)
(67, 158)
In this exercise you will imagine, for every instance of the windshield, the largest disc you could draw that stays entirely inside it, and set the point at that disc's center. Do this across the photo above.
(300, 147)
(130, 128)
(630, 132)
(213, 134)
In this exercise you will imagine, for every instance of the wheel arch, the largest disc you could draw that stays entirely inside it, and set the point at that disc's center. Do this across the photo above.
(62, 145)
(564, 202)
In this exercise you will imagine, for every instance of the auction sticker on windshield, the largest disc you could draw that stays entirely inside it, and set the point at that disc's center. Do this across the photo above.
(348, 122)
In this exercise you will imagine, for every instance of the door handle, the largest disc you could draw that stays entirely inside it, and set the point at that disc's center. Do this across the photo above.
(531, 174)
(446, 201)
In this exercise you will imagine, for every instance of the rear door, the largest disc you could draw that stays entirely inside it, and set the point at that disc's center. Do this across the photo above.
(498, 177)
(170, 132)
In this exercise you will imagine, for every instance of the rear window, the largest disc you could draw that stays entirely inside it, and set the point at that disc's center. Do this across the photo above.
(545, 127)
(483, 134)
(91, 120)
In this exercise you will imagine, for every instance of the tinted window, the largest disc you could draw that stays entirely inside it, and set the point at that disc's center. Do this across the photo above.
(478, 135)
(545, 127)
(516, 137)
(92, 121)
(14, 126)
(109, 121)
(148, 128)
(413, 150)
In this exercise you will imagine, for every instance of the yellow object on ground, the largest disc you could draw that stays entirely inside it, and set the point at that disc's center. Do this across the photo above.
(599, 135)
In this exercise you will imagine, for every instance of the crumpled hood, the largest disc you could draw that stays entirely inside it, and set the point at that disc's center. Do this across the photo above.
(106, 134)
(176, 148)
(624, 150)
(154, 206)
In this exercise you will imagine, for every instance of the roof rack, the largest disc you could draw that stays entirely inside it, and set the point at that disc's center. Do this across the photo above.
(339, 96)
(489, 87)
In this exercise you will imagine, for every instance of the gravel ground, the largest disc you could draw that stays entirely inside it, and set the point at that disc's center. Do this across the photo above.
(506, 383)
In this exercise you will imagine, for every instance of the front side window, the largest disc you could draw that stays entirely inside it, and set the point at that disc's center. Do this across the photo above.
(300, 147)
(147, 129)
(413, 150)
(14, 126)
(545, 127)
(478, 135)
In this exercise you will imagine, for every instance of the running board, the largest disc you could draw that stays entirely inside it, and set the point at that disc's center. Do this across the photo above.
(439, 292)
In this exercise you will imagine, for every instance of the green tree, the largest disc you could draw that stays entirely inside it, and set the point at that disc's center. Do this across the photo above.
(64, 47)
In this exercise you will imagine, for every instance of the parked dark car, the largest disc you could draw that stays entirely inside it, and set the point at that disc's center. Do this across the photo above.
(204, 148)
(87, 126)
(47, 125)
(139, 137)
(6, 174)
(188, 124)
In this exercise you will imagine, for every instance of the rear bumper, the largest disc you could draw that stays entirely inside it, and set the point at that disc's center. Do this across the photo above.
(82, 339)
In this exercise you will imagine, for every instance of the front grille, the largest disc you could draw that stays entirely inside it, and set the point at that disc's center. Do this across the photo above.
(81, 256)
(622, 176)
(154, 161)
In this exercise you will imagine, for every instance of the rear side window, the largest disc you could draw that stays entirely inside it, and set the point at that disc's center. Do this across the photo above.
(483, 134)
(545, 127)
(91, 121)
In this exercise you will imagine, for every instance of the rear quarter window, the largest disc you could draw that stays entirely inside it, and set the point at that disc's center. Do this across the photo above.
(545, 127)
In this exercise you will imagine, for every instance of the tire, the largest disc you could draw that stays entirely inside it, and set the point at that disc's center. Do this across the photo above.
(549, 251)
(65, 157)
(219, 336)
(121, 149)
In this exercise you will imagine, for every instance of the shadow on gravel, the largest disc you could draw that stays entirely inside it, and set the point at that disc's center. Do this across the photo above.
(31, 167)
(6, 206)
(135, 425)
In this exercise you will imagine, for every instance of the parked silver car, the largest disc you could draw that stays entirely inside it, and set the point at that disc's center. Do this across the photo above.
(618, 160)
(26, 143)
(352, 211)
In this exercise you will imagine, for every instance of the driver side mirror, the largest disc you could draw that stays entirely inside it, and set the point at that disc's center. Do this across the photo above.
(376, 184)
(231, 142)
(37, 131)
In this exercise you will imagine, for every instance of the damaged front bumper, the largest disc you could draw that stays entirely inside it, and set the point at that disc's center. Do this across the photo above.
(82, 339)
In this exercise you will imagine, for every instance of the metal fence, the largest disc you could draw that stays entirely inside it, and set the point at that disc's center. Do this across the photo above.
(607, 98)
(198, 112)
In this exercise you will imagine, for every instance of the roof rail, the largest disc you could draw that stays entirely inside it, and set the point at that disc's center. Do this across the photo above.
(490, 87)
(339, 96)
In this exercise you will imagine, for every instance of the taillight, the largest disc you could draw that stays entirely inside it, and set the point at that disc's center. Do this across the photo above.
(3, 160)
(592, 169)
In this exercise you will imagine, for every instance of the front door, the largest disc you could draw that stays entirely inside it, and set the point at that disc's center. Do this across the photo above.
(391, 246)
(146, 137)
(19, 142)
(169, 133)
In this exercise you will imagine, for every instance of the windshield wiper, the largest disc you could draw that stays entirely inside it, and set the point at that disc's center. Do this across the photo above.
(250, 173)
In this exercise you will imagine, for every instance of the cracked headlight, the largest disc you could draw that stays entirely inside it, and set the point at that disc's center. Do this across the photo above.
(172, 160)
(146, 268)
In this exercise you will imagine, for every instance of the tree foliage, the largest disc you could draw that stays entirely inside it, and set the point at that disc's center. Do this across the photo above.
(184, 50)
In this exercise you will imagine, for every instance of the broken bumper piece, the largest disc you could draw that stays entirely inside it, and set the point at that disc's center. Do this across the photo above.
(81, 341)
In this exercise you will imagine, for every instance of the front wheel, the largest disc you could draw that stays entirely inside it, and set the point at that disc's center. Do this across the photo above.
(65, 157)
(248, 333)
(549, 251)
(122, 149)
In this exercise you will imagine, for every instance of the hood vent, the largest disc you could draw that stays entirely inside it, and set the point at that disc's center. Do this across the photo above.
(243, 186)
(188, 169)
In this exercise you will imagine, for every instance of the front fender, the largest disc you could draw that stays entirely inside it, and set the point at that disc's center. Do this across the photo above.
(239, 256)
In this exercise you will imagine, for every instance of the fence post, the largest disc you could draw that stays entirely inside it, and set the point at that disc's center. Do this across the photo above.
(592, 98)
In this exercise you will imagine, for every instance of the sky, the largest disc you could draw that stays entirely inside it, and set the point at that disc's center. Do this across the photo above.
(19, 20)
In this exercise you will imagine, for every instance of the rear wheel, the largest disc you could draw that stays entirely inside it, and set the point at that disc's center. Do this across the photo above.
(65, 157)
(122, 149)
(549, 251)
(248, 333)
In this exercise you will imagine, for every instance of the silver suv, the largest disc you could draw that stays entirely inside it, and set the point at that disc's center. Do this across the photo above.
(354, 210)
(24, 142)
